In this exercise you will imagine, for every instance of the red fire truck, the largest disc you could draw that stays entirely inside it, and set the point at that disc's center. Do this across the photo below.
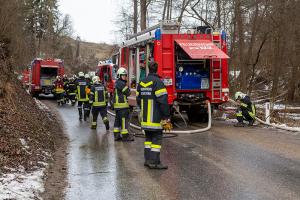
(193, 66)
(43, 73)
(106, 72)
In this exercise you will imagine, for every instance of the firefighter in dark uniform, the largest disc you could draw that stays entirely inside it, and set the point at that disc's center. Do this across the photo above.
(98, 102)
(82, 96)
(152, 98)
(121, 107)
(246, 110)
(89, 82)
(66, 82)
(59, 90)
(71, 91)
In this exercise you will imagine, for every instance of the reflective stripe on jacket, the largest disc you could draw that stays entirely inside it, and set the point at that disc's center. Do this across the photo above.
(82, 85)
(247, 105)
(152, 97)
(98, 95)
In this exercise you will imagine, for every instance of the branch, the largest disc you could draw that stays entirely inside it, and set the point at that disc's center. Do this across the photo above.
(257, 58)
(201, 18)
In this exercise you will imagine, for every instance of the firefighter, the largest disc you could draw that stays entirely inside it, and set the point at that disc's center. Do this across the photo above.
(59, 90)
(98, 101)
(89, 82)
(121, 107)
(71, 90)
(88, 78)
(246, 110)
(152, 98)
(66, 82)
(82, 96)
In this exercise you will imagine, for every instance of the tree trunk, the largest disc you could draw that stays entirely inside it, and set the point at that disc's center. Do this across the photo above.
(240, 29)
(219, 13)
(165, 9)
(135, 16)
(143, 6)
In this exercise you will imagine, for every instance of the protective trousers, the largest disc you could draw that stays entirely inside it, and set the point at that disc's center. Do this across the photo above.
(103, 112)
(72, 98)
(243, 114)
(152, 146)
(86, 107)
(60, 98)
(121, 123)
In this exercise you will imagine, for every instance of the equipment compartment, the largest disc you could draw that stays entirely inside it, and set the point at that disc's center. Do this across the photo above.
(193, 75)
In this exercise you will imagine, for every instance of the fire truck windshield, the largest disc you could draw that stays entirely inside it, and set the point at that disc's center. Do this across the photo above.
(48, 72)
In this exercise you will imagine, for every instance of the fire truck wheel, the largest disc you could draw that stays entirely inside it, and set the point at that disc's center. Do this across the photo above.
(198, 115)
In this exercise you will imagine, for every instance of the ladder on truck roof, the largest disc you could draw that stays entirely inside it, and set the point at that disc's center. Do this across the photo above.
(148, 35)
(216, 70)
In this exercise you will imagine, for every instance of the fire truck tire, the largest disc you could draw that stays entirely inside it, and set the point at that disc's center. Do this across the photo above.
(198, 114)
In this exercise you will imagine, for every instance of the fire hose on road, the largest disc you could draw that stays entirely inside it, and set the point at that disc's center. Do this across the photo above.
(181, 131)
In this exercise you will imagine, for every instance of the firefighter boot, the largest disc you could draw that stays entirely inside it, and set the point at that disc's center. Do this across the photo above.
(147, 152)
(155, 163)
(251, 122)
(117, 136)
(80, 114)
(127, 137)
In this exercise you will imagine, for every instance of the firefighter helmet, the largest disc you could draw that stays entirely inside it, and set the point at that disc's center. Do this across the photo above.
(81, 74)
(96, 79)
(239, 95)
(121, 71)
(86, 76)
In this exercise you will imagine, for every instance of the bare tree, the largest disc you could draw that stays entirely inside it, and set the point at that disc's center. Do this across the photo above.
(143, 13)
(135, 16)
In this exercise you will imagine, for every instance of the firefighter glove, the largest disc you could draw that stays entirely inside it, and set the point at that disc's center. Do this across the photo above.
(167, 125)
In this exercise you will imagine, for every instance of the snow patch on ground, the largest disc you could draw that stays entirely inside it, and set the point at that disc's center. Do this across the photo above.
(41, 105)
(22, 185)
(19, 184)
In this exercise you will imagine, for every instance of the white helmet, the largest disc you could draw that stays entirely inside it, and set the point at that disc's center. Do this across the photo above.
(239, 95)
(96, 79)
(81, 74)
(121, 71)
(86, 76)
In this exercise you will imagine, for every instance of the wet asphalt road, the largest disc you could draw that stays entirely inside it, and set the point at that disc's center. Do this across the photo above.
(223, 163)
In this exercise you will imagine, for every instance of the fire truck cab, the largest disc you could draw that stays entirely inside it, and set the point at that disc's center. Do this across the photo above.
(42, 74)
(193, 66)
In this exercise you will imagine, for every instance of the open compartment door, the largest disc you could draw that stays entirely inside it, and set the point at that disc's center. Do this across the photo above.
(201, 49)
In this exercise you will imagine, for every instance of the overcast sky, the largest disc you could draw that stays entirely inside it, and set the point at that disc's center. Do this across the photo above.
(92, 19)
